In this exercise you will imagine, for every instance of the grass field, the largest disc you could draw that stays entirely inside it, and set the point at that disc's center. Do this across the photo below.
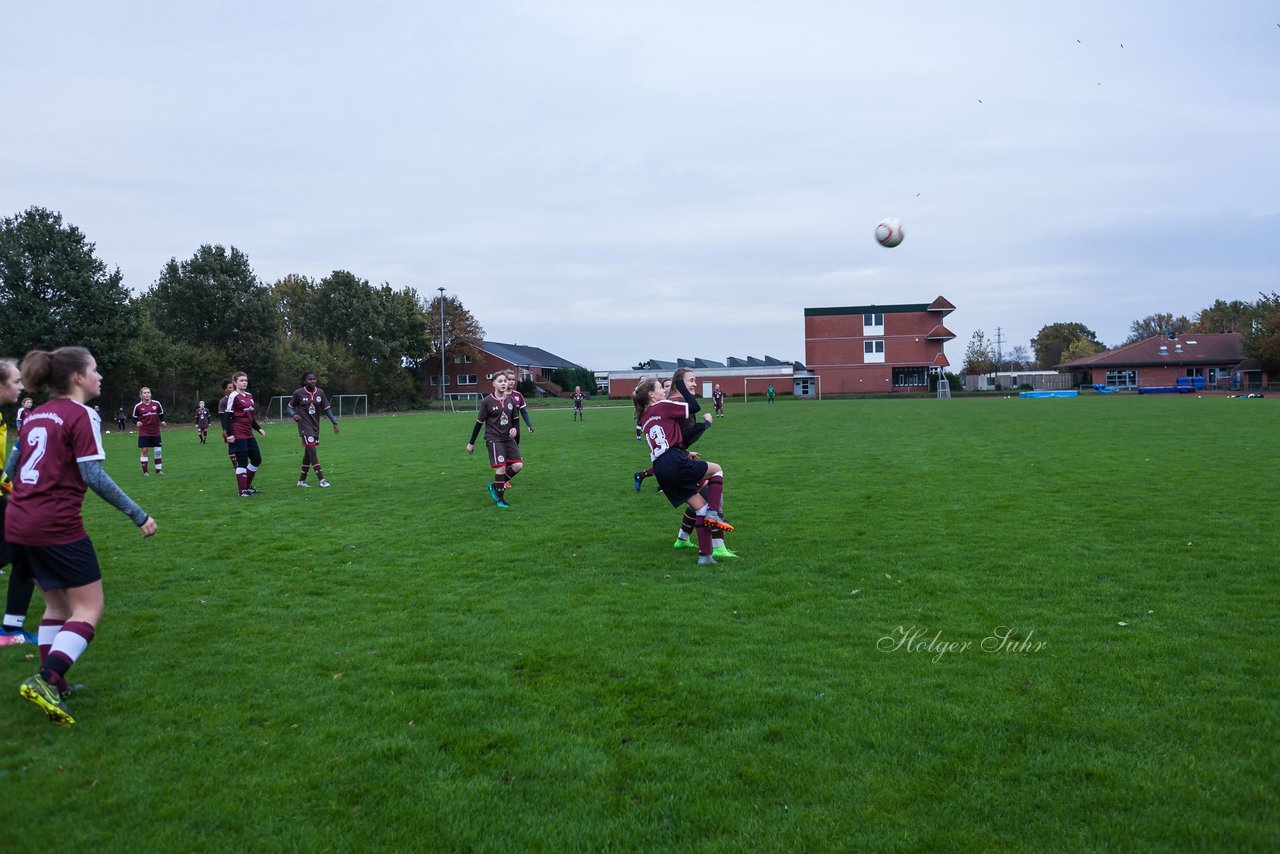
(395, 662)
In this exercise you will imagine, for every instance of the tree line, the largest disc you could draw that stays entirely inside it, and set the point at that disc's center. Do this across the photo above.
(1258, 322)
(209, 315)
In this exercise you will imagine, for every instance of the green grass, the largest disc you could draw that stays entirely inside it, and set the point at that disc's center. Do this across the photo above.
(396, 662)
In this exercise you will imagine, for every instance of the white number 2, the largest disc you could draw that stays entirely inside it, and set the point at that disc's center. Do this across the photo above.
(37, 438)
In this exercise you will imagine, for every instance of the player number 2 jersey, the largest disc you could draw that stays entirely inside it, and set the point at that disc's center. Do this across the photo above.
(48, 492)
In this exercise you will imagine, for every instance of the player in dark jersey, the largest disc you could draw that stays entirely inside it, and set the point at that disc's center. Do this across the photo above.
(21, 586)
(202, 423)
(23, 412)
(497, 418)
(522, 409)
(306, 406)
(59, 455)
(578, 397)
(148, 414)
(717, 397)
(121, 416)
(227, 387)
(239, 424)
(680, 475)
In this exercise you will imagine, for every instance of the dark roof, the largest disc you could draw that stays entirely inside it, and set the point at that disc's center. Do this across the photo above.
(529, 357)
(1194, 348)
(867, 309)
(942, 306)
(940, 333)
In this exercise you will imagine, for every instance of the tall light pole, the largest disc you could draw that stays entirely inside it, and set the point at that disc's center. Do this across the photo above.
(442, 391)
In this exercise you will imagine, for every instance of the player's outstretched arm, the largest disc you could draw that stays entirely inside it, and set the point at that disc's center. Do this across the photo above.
(100, 482)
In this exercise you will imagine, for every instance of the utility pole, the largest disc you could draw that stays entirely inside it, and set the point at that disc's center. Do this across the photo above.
(999, 348)
(442, 391)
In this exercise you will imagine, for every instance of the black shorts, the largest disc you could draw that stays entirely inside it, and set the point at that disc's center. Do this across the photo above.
(679, 475)
(59, 567)
(148, 441)
(503, 451)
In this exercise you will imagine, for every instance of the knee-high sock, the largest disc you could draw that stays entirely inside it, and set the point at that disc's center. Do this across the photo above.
(715, 492)
(68, 646)
(44, 637)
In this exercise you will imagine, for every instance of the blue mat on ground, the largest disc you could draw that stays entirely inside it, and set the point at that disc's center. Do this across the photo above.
(1071, 393)
(1165, 389)
(1101, 389)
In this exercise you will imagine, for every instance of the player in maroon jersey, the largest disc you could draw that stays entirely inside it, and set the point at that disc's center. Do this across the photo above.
(227, 387)
(522, 410)
(497, 417)
(679, 474)
(306, 406)
(148, 414)
(23, 412)
(202, 423)
(717, 397)
(578, 397)
(59, 456)
(21, 586)
(239, 424)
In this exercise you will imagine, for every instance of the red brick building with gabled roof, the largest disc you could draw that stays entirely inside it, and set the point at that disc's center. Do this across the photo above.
(876, 348)
(1216, 357)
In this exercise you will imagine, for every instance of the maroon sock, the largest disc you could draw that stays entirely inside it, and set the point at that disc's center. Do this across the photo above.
(715, 492)
(249, 476)
(242, 480)
(688, 521)
(704, 540)
(319, 472)
(305, 468)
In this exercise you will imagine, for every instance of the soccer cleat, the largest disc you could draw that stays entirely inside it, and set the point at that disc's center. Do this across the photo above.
(681, 543)
(244, 493)
(325, 484)
(493, 494)
(304, 483)
(253, 490)
(722, 551)
(49, 700)
(12, 636)
(704, 560)
(159, 471)
(713, 520)
(637, 479)
(146, 474)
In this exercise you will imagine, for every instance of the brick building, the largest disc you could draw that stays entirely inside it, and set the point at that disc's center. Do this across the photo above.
(1216, 357)
(876, 348)
(468, 374)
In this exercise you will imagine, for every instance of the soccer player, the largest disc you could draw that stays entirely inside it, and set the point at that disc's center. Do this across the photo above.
(227, 387)
(517, 400)
(239, 425)
(23, 412)
(680, 474)
(306, 406)
(578, 397)
(148, 414)
(59, 455)
(717, 397)
(121, 415)
(202, 423)
(770, 393)
(497, 417)
(21, 586)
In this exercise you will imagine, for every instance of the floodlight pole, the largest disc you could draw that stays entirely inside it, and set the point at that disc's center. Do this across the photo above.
(442, 390)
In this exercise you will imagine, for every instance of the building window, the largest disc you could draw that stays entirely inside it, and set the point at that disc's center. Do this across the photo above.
(466, 379)
(873, 351)
(457, 360)
(1122, 379)
(873, 324)
(1195, 372)
(910, 377)
(467, 358)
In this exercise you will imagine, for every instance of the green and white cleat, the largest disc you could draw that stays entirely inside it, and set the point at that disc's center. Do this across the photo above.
(48, 699)
(722, 551)
(684, 544)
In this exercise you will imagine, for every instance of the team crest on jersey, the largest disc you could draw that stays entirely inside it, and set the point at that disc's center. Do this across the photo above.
(501, 458)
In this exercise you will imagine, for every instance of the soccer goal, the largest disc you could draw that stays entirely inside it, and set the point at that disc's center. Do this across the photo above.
(787, 381)
(350, 405)
(277, 409)
(463, 401)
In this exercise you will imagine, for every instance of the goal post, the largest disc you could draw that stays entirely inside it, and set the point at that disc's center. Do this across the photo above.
(464, 401)
(788, 379)
(350, 405)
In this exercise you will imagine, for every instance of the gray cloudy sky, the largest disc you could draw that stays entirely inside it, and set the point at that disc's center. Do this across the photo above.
(615, 182)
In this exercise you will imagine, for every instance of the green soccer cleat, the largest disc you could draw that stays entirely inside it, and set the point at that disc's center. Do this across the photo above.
(48, 699)
(684, 544)
(722, 551)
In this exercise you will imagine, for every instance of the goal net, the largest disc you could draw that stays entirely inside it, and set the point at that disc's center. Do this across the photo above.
(344, 406)
(464, 401)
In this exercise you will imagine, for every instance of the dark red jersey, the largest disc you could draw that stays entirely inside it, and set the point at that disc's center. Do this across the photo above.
(148, 415)
(49, 491)
(578, 397)
(240, 407)
(660, 426)
(498, 417)
(309, 405)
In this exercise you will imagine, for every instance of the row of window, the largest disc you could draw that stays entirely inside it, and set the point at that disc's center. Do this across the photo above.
(1129, 379)
(463, 379)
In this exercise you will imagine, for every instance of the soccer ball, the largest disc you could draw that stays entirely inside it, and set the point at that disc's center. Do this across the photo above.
(889, 232)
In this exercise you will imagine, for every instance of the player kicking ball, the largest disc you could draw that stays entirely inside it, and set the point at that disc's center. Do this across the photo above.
(497, 419)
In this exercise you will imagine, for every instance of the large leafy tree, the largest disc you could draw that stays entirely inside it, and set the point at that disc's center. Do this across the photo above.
(463, 334)
(1160, 323)
(1225, 316)
(55, 292)
(1262, 339)
(215, 301)
(979, 358)
(1052, 340)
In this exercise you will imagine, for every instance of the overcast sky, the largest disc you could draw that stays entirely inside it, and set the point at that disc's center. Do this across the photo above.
(616, 182)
